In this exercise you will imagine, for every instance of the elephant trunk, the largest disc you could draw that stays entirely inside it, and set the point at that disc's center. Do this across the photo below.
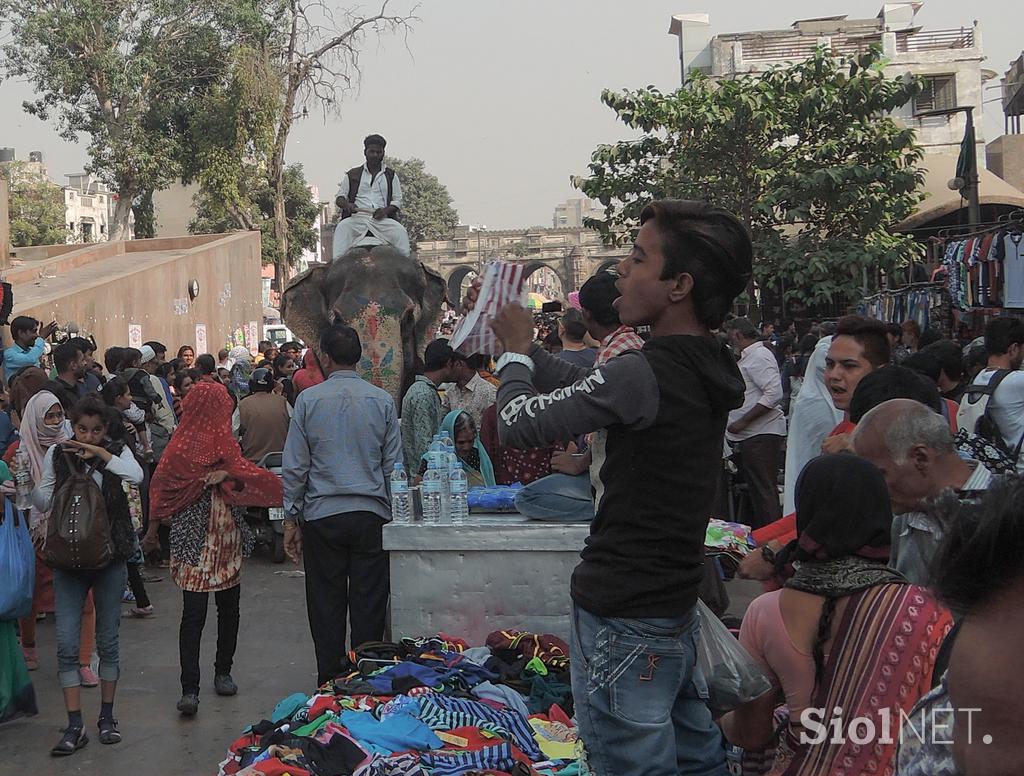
(383, 362)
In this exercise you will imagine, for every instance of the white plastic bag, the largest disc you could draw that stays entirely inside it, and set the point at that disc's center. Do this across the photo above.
(733, 677)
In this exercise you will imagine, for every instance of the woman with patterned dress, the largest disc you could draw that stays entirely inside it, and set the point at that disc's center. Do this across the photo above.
(201, 486)
(846, 636)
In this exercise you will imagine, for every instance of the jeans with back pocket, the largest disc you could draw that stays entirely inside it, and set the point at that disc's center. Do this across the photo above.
(641, 700)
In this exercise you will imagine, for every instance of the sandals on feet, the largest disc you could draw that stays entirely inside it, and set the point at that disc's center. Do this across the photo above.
(73, 740)
(109, 733)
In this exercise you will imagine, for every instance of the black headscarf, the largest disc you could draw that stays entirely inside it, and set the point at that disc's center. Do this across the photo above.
(842, 509)
(843, 524)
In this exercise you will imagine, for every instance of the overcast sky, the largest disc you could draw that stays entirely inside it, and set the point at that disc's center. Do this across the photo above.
(502, 100)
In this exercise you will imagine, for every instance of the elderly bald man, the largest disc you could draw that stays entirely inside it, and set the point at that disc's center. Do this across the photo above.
(913, 448)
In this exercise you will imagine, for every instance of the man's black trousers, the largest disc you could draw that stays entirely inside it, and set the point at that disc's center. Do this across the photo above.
(346, 575)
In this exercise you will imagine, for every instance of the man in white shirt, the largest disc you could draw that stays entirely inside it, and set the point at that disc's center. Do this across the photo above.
(1004, 343)
(756, 429)
(369, 199)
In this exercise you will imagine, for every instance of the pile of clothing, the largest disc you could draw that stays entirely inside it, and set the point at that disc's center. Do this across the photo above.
(425, 707)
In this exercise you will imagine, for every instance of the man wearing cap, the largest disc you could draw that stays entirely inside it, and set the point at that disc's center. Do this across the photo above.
(369, 199)
(421, 408)
(263, 417)
(164, 422)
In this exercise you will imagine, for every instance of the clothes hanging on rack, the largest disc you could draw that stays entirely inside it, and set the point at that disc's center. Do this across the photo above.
(985, 269)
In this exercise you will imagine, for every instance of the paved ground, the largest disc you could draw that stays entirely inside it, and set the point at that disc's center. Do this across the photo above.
(275, 659)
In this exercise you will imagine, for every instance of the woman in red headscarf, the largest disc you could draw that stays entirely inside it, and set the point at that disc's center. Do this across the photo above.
(311, 374)
(200, 486)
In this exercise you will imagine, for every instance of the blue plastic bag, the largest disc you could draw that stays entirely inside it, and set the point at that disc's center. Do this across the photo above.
(17, 564)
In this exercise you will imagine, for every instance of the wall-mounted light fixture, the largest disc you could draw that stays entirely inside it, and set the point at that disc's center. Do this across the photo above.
(193, 289)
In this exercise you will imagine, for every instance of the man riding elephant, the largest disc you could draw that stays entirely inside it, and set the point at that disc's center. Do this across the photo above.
(370, 199)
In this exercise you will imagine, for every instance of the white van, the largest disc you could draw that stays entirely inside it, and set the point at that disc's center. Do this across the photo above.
(278, 334)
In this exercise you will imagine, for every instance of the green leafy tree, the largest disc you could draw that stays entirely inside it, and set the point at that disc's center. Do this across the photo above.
(122, 72)
(214, 215)
(35, 205)
(804, 154)
(427, 211)
(145, 216)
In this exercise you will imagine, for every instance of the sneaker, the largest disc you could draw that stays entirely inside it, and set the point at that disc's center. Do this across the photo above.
(88, 677)
(188, 705)
(141, 611)
(127, 597)
(31, 661)
(223, 684)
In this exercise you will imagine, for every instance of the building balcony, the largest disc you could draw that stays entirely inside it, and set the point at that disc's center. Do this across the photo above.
(934, 40)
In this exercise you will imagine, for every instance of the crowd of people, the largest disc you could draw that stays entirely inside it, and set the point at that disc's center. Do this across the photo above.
(171, 447)
(889, 558)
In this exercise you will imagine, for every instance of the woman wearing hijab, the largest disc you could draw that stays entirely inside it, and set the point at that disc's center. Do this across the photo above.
(472, 455)
(43, 426)
(241, 370)
(200, 486)
(845, 632)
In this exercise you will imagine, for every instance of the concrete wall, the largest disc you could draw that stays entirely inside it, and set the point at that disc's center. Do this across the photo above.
(5, 226)
(108, 287)
(173, 209)
(1006, 159)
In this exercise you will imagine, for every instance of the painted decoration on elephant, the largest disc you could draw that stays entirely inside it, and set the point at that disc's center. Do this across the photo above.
(381, 337)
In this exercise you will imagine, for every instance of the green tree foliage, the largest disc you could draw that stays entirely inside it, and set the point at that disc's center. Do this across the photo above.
(145, 216)
(122, 72)
(804, 154)
(427, 211)
(36, 206)
(215, 215)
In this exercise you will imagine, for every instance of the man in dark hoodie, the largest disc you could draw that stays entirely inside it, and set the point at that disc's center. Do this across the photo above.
(640, 697)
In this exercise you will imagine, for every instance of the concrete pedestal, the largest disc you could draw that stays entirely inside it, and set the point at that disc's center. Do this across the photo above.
(494, 573)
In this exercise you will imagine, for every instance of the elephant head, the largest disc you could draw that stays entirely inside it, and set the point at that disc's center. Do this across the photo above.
(392, 300)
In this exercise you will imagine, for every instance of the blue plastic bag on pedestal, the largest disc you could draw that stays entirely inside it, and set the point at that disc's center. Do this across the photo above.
(17, 564)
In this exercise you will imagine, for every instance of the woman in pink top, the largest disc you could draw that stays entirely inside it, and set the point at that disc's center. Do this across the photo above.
(845, 633)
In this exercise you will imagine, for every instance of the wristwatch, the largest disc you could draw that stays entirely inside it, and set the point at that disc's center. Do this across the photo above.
(513, 358)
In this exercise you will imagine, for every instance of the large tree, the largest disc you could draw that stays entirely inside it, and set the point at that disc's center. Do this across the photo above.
(214, 215)
(36, 206)
(118, 71)
(804, 154)
(427, 211)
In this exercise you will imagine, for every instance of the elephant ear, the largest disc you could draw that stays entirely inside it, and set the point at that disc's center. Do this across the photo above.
(435, 293)
(304, 304)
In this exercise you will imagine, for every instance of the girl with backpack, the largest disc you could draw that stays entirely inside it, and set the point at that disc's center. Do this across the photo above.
(89, 537)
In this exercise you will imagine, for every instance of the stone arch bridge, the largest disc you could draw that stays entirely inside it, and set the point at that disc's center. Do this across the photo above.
(573, 254)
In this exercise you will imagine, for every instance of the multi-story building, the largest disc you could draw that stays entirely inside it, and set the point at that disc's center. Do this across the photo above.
(570, 214)
(947, 61)
(90, 208)
(1006, 153)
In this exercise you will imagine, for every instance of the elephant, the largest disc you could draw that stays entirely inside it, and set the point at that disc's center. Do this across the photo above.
(392, 301)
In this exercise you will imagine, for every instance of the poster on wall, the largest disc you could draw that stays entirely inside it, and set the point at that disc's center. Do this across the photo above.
(135, 335)
(252, 334)
(201, 345)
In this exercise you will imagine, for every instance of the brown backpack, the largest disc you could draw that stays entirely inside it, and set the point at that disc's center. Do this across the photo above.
(78, 532)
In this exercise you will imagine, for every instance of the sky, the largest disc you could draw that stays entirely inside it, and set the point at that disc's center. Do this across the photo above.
(502, 100)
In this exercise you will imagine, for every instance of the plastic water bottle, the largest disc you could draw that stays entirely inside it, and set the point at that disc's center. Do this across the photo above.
(446, 493)
(459, 486)
(435, 450)
(401, 498)
(430, 491)
(23, 480)
(447, 443)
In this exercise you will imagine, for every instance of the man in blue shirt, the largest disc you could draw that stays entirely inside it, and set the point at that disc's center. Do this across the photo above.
(29, 345)
(343, 443)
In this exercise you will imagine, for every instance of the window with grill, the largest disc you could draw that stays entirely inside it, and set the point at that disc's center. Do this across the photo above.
(938, 92)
